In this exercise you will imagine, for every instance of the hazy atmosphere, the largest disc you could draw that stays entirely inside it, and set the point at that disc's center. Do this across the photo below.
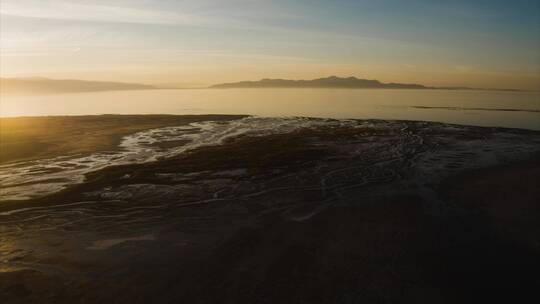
(191, 43)
(269, 151)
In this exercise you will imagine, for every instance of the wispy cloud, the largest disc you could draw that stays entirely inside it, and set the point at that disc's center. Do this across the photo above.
(232, 14)
(63, 10)
(461, 37)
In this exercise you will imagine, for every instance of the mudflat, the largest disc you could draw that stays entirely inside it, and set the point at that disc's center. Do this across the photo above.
(326, 212)
(31, 138)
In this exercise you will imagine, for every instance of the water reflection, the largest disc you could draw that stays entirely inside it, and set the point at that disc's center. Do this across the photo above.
(461, 107)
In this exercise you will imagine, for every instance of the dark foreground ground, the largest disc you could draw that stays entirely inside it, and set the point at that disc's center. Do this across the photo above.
(332, 215)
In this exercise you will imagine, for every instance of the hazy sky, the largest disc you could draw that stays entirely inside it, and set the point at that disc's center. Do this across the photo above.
(475, 43)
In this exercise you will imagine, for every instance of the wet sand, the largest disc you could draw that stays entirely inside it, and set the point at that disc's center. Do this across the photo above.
(386, 212)
(31, 138)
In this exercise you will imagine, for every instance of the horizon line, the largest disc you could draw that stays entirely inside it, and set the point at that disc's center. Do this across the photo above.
(215, 85)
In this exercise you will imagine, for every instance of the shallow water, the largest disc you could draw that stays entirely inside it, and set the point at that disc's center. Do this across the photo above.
(45, 176)
(481, 108)
(32, 179)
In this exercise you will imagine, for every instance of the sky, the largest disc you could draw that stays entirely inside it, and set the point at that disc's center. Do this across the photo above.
(490, 44)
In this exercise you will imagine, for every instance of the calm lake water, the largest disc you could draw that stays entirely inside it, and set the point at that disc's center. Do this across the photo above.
(482, 108)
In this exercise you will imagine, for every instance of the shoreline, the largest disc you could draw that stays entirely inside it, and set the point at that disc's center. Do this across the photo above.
(20, 135)
(179, 121)
(132, 123)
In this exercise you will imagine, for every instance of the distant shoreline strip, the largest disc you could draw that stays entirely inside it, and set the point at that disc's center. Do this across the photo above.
(477, 109)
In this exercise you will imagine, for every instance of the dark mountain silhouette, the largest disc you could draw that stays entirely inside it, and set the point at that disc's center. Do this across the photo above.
(51, 86)
(328, 82)
(39, 85)
(335, 82)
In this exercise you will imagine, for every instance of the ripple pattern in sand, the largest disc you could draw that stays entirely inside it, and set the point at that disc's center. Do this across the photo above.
(38, 178)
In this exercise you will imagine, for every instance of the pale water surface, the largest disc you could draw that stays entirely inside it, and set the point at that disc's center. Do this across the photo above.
(481, 108)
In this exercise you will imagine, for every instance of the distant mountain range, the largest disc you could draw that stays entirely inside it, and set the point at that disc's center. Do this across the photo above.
(328, 82)
(38, 85)
(332, 82)
(53, 86)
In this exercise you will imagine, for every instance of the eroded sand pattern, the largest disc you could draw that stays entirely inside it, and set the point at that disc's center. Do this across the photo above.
(42, 177)
(176, 193)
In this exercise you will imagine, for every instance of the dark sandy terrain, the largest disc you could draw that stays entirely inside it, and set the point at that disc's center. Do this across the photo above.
(30, 138)
(363, 212)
